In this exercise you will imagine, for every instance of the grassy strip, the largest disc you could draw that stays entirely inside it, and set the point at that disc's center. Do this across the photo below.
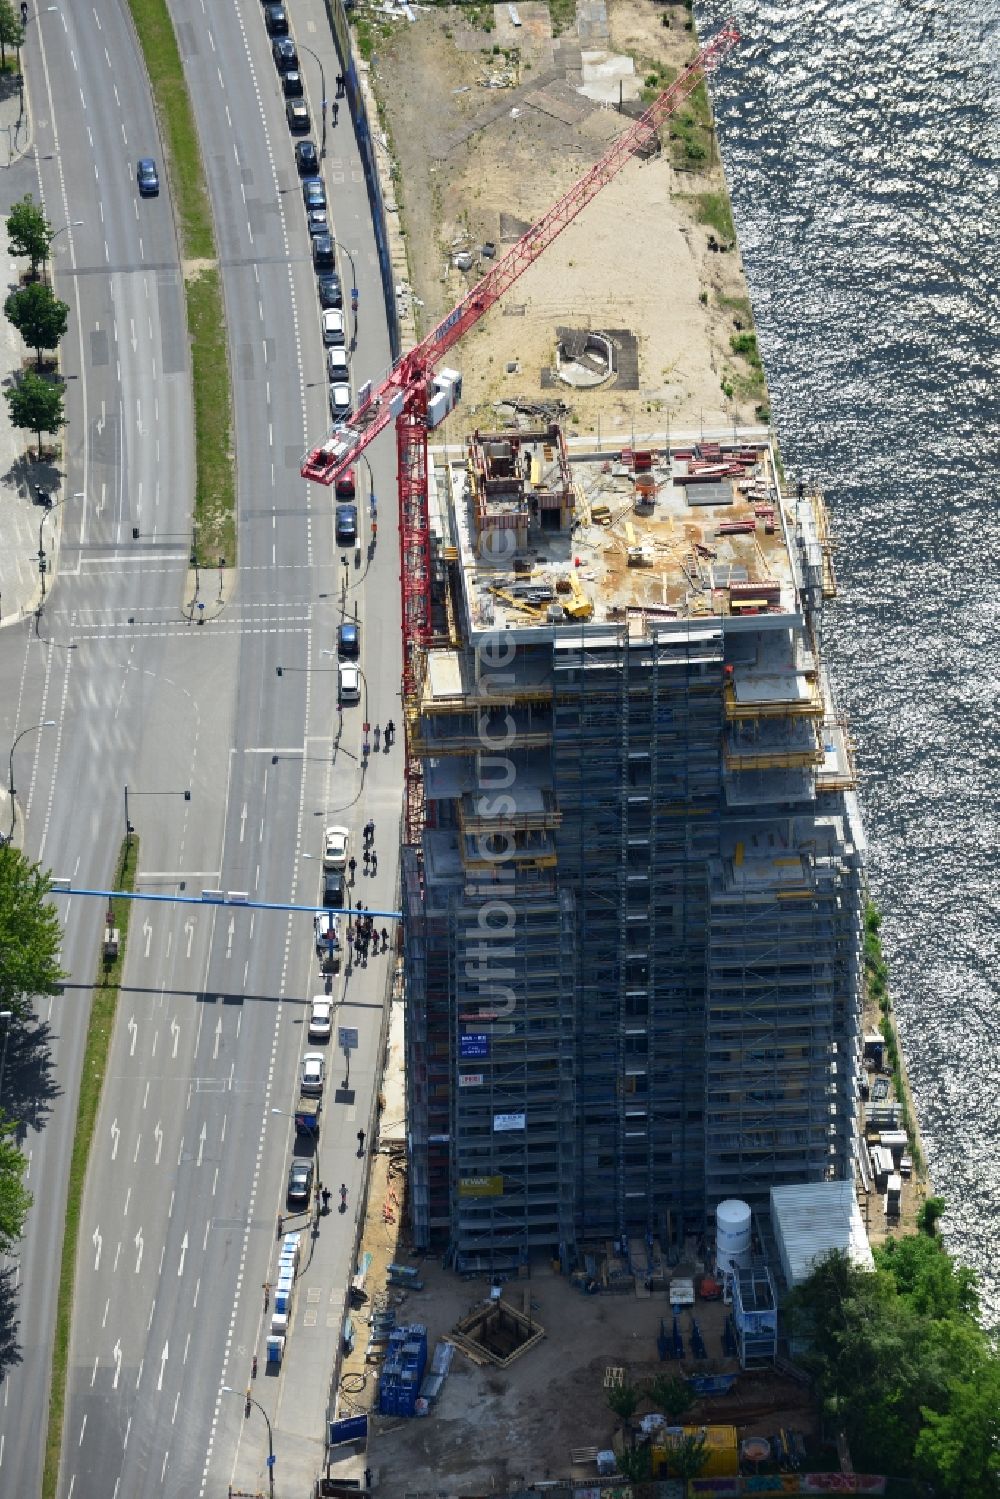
(877, 983)
(99, 1033)
(215, 487)
(215, 492)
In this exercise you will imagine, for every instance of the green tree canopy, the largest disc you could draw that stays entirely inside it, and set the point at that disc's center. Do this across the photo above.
(36, 404)
(11, 30)
(902, 1365)
(30, 933)
(38, 315)
(15, 1199)
(29, 232)
(669, 1394)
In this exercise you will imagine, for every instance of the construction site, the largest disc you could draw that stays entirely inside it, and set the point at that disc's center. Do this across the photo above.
(642, 1092)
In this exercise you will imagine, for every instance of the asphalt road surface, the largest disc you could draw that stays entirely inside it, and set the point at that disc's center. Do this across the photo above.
(189, 1163)
(128, 462)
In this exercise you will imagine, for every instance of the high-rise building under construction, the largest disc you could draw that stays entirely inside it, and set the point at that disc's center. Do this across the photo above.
(633, 892)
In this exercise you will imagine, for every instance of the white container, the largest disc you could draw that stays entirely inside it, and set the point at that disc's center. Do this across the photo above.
(281, 1300)
(275, 1349)
(279, 1323)
(732, 1235)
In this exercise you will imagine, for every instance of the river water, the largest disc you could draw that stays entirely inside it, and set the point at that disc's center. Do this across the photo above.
(862, 145)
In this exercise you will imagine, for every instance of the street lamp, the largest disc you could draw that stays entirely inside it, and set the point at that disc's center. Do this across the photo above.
(6, 1016)
(354, 291)
(228, 1390)
(322, 88)
(46, 723)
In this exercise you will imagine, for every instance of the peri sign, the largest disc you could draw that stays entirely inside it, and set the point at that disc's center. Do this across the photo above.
(475, 1045)
(508, 1121)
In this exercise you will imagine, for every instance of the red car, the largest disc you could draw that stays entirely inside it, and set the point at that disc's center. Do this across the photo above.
(345, 485)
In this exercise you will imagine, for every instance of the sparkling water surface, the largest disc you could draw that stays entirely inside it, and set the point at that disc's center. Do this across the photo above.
(862, 146)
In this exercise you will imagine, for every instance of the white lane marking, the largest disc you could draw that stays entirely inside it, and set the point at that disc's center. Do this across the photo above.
(117, 1350)
(184, 1250)
(158, 1137)
(98, 1241)
(139, 1248)
(115, 1137)
(201, 1143)
(163, 1361)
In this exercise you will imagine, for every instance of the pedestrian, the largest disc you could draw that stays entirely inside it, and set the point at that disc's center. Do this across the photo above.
(374, 863)
(385, 939)
(352, 865)
(336, 110)
(326, 1199)
(319, 1190)
(343, 1198)
(361, 1142)
(340, 85)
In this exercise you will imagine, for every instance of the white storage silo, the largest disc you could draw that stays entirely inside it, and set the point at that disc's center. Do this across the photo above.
(732, 1236)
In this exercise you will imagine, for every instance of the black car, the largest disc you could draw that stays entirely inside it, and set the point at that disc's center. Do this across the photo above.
(348, 640)
(333, 887)
(276, 20)
(307, 160)
(330, 291)
(300, 1181)
(291, 84)
(297, 115)
(347, 528)
(313, 193)
(285, 56)
(147, 177)
(323, 252)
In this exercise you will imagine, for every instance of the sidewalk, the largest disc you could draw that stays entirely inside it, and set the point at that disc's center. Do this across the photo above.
(25, 527)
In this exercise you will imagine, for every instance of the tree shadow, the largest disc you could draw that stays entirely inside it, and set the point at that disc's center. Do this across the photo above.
(28, 1083)
(10, 1348)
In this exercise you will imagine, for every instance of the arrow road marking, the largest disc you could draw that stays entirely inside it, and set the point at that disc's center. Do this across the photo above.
(189, 928)
(133, 1031)
(118, 1364)
(158, 1137)
(201, 1143)
(243, 821)
(138, 1246)
(163, 1360)
(175, 1031)
(115, 1136)
(218, 1038)
(98, 1241)
(229, 944)
(184, 1248)
(147, 928)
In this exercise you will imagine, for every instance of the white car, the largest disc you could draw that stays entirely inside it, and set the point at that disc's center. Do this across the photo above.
(350, 683)
(313, 1074)
(340, 402)
(334, 329)
(337, 363)
(335, 841)
(320, 1018)
(327, 930)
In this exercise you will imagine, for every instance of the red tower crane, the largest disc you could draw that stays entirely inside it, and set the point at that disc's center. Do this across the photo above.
(404, 393)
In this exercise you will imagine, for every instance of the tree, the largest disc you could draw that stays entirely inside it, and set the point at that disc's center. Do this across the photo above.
(38, 315)
(669, 1394)
(930, 1211)
(624, 1400)
(29, 232)
(687, 1455)
(958, 1450)
(928, 1277)
(30, 933)
(636, 1464)
(15, 1199)
(36, 404)
(11, 30)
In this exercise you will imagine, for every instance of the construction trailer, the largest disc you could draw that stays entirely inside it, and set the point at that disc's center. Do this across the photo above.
(633, 901)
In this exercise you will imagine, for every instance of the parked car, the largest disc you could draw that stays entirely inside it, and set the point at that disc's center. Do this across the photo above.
(286, 59)
(333, 887)
(335, 844)
(348, 640)
(334, 332)
(346, 525)
(337, 363)
(330, 292)
(340, 402)
(320, 1018)
(345, 486)
(291, 84)
(317, 222)
(300, 1182)
(323, 252)
(276, 20)
(350, 683)
(313, 193)
(327, 932)
(306, 159)
(313, 1074)
(147, 177)
(297, 115)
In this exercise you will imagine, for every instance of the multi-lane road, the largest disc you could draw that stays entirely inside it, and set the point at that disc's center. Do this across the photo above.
(189, 1162)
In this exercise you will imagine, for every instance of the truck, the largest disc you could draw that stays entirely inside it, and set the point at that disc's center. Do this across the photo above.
(308, 1107)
